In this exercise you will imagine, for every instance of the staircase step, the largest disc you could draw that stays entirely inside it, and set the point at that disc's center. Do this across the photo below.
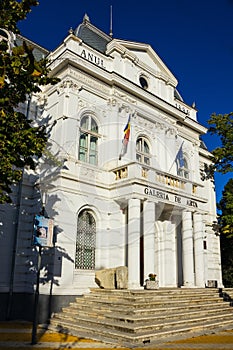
(134, 317)
(135, 327)
(145, 317)
(146, 302)
(125, 339)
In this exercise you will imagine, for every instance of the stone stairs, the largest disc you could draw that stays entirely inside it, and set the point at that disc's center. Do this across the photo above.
(227, 294)
(135, 317)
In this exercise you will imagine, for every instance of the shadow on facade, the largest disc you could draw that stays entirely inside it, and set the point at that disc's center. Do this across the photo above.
(17, 303)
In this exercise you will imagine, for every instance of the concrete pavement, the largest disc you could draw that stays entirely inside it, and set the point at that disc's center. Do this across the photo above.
(18, 335)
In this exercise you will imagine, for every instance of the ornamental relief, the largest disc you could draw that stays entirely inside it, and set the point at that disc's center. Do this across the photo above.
(81, 104)
(68, 85)
(123, 97)
(90, 82)
(125, 108)
(87, 172)
(189, 152)
(152, 126)
(170, 131)
(112, 102)
(91, 175)
(201, 165)
(142, 124)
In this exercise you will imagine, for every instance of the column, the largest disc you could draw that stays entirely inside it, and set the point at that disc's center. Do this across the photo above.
(170, 254)
(187, 247)
(159, 252)
(134, 243)
(198, 228)
(149, 238)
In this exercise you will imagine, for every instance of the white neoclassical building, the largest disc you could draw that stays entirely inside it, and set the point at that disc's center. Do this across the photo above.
(144, 206)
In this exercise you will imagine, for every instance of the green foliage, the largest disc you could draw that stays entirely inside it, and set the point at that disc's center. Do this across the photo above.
(222, 126)
(14, 11)
(21, 143)
(226, 207)
(226, 229)
(227, 260)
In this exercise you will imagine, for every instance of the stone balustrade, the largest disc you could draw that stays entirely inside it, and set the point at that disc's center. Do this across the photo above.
(135, 170)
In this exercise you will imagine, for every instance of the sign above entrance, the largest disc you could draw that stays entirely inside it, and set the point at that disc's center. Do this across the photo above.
(150, 191)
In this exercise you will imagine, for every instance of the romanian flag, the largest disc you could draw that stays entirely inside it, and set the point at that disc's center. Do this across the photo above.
(125, 140)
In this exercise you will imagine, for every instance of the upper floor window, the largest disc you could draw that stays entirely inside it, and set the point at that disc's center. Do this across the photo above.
(88, 140)
(142, 151)
(182, 168)
(143, 82)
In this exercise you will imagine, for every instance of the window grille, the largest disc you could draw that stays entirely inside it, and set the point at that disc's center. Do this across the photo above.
(85, 243)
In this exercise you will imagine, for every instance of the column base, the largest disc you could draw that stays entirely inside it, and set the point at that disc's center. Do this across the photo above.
(134, 285)
(188, 285)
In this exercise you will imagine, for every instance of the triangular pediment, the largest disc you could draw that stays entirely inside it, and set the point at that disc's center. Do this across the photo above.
(144, 56)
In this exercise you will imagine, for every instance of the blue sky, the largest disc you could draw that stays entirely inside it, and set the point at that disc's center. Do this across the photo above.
(193, 38)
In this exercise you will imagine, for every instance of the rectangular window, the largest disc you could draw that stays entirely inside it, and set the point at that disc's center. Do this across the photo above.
(204, 245)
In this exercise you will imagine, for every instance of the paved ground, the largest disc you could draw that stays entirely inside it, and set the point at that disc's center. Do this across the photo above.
(18, 336)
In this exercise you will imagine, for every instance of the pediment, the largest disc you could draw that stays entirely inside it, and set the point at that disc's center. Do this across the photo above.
(144, 56)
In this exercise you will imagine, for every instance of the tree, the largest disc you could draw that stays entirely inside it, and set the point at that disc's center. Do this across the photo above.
(226, 207)
(21, 143)
(226, 232)
(222, 126)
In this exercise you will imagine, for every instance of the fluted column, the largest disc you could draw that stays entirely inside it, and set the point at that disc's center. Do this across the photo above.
(198, 232)
(149, 238)
(187, 245)
(133, 243)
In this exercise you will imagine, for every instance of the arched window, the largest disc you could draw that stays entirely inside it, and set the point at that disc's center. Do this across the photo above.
(182, 168)
(142, 151)
(88, 140)
(85, 241)
(143, 82)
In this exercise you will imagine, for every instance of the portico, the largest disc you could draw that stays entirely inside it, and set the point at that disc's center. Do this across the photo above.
(166, 240)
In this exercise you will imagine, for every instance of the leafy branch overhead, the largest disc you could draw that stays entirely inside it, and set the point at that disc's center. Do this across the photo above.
(222, 126)
(21, 143)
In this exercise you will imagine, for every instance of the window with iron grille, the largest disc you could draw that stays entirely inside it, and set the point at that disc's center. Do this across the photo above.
(85, 242)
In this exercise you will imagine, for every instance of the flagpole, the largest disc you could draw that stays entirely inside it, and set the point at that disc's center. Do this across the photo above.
(111, 34)
(125, 140)
(174, 161)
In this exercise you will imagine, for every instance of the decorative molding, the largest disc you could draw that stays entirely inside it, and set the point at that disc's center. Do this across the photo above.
(90, 82)
(67, 86)
(112, 102)
(123, 97)
(81, 104)
(171, 131)
(87, 172)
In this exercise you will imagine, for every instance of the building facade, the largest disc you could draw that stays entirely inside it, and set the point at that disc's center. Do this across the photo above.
(121, 177)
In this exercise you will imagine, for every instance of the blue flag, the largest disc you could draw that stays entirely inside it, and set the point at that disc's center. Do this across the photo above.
(180, 156)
